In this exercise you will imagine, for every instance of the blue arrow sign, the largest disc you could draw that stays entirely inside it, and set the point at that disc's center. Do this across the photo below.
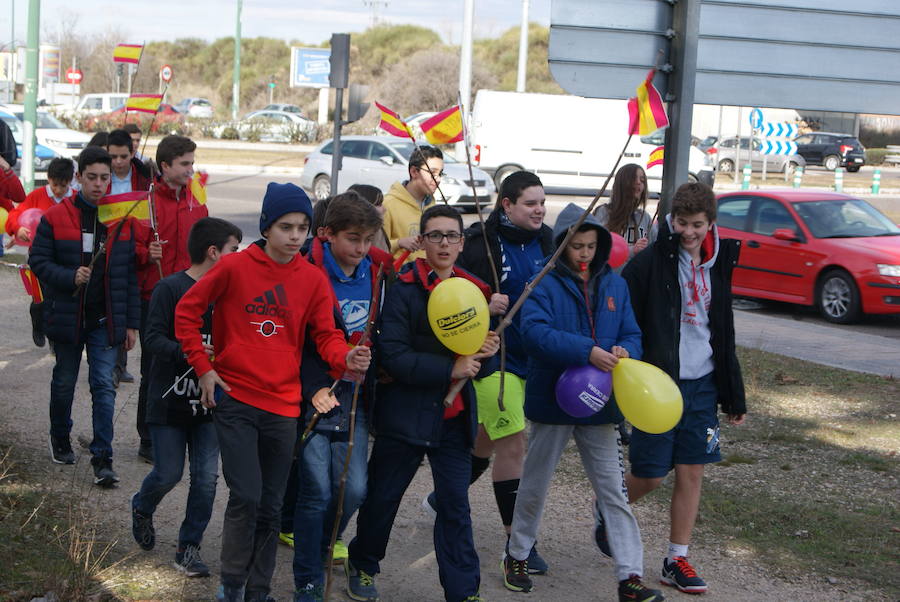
(778, 147)
(756, 119)
(780, 130)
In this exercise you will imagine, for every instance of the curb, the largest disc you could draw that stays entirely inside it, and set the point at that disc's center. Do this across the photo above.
(249, 170)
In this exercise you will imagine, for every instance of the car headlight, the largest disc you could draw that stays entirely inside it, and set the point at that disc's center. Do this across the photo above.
(886, 269)
(51, 142)
(450, 180)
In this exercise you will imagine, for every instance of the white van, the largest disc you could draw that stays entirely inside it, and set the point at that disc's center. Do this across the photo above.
(570, 142)
(95, 104)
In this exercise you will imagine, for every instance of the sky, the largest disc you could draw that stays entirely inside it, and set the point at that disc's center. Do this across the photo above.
(308, 22)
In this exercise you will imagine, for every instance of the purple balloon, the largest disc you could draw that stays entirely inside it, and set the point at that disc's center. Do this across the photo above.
(582, 391)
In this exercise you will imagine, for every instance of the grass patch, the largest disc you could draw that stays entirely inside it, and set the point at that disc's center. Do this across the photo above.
(733, 459)
(249, 157)
(871, 462)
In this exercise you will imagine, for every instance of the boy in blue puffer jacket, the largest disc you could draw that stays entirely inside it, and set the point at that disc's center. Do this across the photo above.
(579, 313)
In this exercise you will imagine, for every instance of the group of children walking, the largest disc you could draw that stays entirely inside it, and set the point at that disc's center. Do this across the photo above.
(268, 355)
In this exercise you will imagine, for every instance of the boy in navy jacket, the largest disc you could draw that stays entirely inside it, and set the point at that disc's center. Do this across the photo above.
(411, 420)
(579, 314)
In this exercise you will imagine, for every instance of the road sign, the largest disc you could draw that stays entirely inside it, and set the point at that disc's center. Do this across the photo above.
(310, 67)
(756, 119)
(165, 73)
(74, 76)
(772, 53)
(780, 130)
(778, 147)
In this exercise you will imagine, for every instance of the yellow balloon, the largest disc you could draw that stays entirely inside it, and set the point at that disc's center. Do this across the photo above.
(647, 396)
(4, 215)
(458, 315)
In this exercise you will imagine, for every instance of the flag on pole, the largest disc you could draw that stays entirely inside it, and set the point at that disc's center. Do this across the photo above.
(391, 122)
(444, 127)
(197, 187)
(646, 113)
(656, 157)
(144, 103)
(115, 207)
(128, 53)
(32, 286)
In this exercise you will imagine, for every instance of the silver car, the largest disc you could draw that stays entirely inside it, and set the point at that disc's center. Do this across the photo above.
(724, 155)
(381, 161)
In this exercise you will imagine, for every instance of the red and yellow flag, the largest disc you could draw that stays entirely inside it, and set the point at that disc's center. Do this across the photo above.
(656, 157)
(128, 53)
(197, 187)
(391, 122)
(646, 113)
(32, 286)
(144, 103)
(115, 207)
(444, 127)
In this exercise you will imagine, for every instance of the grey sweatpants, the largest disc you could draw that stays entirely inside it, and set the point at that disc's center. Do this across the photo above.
(601, 455)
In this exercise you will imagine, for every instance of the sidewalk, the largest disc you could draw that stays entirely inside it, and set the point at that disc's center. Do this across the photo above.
(833, 346)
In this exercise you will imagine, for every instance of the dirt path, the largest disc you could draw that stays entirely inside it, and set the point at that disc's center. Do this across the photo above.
(577, 571)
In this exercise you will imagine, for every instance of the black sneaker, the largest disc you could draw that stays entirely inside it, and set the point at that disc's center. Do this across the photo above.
(515, 574)
(142, 529)
(61, 450)
(145, 452)
(187, 559)
(104, 475)
(632, 590)
(600, 532)
(680, 574)
(125, 376)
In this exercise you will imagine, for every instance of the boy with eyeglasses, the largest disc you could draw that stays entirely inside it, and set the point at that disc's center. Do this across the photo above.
(406, 201)
(411, 420)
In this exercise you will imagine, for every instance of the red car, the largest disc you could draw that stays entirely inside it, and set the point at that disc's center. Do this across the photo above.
(116, 119)
(825, 249)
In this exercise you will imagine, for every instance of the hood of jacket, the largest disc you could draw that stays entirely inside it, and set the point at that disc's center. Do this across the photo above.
(566, 219)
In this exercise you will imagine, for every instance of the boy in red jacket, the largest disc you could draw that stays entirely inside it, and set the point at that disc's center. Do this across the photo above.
(266, 301)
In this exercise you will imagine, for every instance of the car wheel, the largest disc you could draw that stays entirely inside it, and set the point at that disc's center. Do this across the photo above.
(837, 297)
(503, 173)
(853, 168)
(322, 187)
(831, 162)
(726, 166)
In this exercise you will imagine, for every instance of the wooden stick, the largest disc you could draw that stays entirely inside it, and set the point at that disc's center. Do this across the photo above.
(417, 150)
(551, 263)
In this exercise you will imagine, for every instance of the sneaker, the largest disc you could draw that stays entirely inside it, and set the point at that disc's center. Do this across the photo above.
(287, 539)
(360, 584)
(429, 505)
(475, 598)
(126, 377)
(61, 450)
(230, 593)
(631, 590)
(680, 574)
(536, 564)
(515, 574)
(104, 476)
(313, 592)
(258, 597)
(341, 553)
(188, 561)
(600, 537)
(145, 452)
(142, 528)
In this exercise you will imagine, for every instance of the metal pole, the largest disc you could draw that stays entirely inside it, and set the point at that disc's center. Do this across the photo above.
(31, 80)
(686, 23)
(336, 145)
(465, 64)
(737, 149)
(523, 48)
(236, 77)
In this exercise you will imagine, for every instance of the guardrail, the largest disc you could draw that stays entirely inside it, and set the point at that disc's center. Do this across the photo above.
(893, 159)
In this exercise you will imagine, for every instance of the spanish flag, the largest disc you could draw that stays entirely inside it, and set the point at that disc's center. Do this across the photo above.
(646, 113)
(32, 286)
(197, 188)
(656, 157)
(128, 53)
(115, 207)
(444, 127)
(144, 103)
(391, 122)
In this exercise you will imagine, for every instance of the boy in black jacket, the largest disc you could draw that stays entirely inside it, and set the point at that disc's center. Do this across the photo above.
(175, 417)
(412, 421)
(686, 273)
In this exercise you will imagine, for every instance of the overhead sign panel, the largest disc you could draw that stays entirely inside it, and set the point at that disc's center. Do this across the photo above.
(310, 67)
(806, 54)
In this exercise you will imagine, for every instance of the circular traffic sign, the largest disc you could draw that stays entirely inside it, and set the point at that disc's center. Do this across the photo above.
(165, 73)
(74, 76)
(756, 119)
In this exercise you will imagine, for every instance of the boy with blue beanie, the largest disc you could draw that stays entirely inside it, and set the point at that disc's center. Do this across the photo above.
(267, 302)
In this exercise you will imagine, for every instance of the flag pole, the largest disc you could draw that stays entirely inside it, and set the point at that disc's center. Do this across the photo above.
(153, 120)
(102, 246)
(417, 150)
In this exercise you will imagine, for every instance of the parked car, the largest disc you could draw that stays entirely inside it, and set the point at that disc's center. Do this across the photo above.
(114, 119)
(53, 133)
(725, 157)
(283, 107)
(273, 126)
(42, 154)
(829, 250)
(195, 107)
(381, 161)
(95, 104)
(707, 143)
(831, 150)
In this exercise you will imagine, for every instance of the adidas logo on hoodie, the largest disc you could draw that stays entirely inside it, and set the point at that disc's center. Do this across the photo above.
(272, 303)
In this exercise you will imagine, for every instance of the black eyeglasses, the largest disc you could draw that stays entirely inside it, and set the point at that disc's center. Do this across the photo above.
(440, 174)
(436, 237)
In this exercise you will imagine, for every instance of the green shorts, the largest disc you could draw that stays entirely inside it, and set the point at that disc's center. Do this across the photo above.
(510, 421)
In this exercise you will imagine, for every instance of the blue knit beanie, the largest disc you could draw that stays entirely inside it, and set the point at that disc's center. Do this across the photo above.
(281, 199)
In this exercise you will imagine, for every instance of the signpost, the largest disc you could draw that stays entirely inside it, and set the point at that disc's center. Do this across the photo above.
(74, 76)
(165, 76)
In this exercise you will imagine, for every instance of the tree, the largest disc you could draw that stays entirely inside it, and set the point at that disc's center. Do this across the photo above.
(501, 57)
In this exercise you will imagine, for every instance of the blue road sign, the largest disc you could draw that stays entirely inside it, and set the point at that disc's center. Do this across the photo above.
(310, 67)
(756, 119)
(777, 147)
(780, 130)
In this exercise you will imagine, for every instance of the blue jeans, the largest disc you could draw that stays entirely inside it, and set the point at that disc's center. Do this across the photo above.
(320, 466)
(169, 443)
(101, 361)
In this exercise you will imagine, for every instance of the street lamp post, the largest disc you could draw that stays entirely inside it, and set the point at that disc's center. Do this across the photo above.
(236, 78)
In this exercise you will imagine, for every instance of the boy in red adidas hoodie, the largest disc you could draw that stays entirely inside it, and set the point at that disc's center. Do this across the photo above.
(266, 301)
